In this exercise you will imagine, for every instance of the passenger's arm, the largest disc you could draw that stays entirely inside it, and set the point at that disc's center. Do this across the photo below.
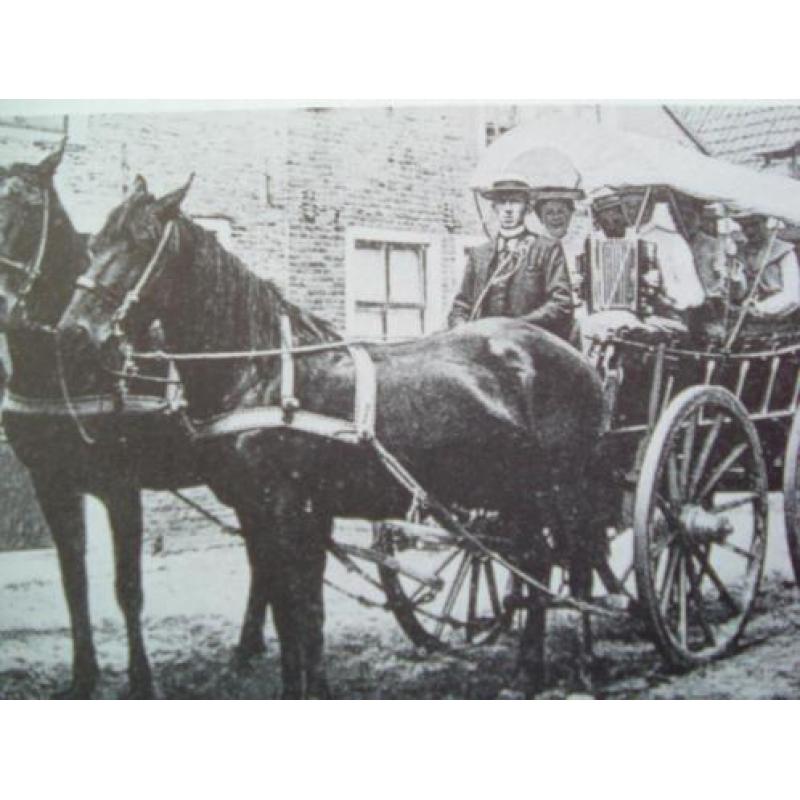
(464, 300)
(787, 299)
(555, 313)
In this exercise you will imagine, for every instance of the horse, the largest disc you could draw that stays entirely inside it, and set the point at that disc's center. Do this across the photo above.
(488, 415)
(41, 255)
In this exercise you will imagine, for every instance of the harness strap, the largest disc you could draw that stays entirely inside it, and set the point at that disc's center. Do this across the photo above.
(289, 402)
(133, 296)
(33, 271)
(37, 264)
(82, 405)
(366, 382)
(366, 392)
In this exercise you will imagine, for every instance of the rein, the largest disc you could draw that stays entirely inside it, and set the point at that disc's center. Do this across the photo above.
(235, 355)
(73, 413)
(32, 272)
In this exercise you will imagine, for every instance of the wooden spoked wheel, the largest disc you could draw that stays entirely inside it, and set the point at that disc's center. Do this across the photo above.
(467, 606)
(700, 525)
(791, 494)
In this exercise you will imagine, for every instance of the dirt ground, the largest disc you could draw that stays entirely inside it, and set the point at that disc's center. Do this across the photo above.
(195, 591)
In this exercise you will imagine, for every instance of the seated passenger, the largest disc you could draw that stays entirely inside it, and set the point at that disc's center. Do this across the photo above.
(555, 207)
(670, 284)
(518, 274)
(720, 273)
(777, 292)
(609, 215)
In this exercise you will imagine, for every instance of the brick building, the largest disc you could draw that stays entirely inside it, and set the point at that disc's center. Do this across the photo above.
(317, 199)
(360, 214)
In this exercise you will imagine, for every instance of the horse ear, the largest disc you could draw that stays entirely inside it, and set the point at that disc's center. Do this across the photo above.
(139, 185)
(168, 206)
(47, 168)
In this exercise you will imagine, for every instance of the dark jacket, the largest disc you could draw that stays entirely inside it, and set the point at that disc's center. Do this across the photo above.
(537, 291)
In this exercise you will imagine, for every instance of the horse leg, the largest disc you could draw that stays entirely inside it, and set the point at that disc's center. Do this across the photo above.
(251, 638)
(125, 515)
(62, 507)
(282, 542)
(314, 557)
(535, 559)
(532, 664)
(580, 543)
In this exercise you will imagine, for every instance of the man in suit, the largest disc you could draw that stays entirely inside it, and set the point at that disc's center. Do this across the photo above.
(519, 274)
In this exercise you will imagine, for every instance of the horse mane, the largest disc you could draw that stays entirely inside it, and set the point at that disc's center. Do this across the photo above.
(240, 308)
(219, 304)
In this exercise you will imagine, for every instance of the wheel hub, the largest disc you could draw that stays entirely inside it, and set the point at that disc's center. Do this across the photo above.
(704, 526)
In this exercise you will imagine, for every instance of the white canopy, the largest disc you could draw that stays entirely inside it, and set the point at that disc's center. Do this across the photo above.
(605, 156)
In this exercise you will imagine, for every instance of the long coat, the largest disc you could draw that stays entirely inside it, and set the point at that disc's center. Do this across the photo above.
(537, 289)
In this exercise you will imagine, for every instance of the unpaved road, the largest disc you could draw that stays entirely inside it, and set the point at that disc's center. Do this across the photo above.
(195, 592)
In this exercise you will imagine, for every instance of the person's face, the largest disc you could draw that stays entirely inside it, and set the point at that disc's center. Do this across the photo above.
(754, 229)
(510, 210)
(612, 221)
(555, 216)
(631, 203)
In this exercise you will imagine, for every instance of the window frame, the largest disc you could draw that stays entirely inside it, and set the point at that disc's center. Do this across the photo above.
(432, 276)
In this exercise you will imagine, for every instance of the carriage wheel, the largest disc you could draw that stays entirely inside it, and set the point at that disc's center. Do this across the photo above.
(469, 607)
(791, 494)
(700, 525)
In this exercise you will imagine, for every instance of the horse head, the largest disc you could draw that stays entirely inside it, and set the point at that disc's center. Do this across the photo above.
(27, 207)
(131, 272)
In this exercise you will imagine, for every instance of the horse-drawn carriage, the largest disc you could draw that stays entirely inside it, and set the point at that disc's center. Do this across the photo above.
(484, 452)
(697, 429)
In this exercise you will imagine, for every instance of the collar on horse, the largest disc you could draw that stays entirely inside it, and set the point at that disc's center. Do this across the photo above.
(32, 271)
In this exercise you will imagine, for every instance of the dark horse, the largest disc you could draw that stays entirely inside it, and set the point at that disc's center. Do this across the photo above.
(111, 456)
(488, 415)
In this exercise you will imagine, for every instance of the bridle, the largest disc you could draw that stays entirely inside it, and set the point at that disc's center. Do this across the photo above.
(122, 304)
(31, 272)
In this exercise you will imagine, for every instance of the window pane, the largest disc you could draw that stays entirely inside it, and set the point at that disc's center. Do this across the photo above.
(406, 283)
(370, 272)
(368, 322)
(404, 322)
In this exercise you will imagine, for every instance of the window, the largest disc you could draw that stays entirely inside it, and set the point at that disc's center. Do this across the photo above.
(392, 284)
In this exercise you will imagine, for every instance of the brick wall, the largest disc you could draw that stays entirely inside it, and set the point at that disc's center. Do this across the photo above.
(402, 169)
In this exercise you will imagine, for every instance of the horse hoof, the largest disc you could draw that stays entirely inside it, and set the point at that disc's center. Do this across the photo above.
(319, 692)
(74, 692)
(140, 693)
(139, 690)
(243, 657)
